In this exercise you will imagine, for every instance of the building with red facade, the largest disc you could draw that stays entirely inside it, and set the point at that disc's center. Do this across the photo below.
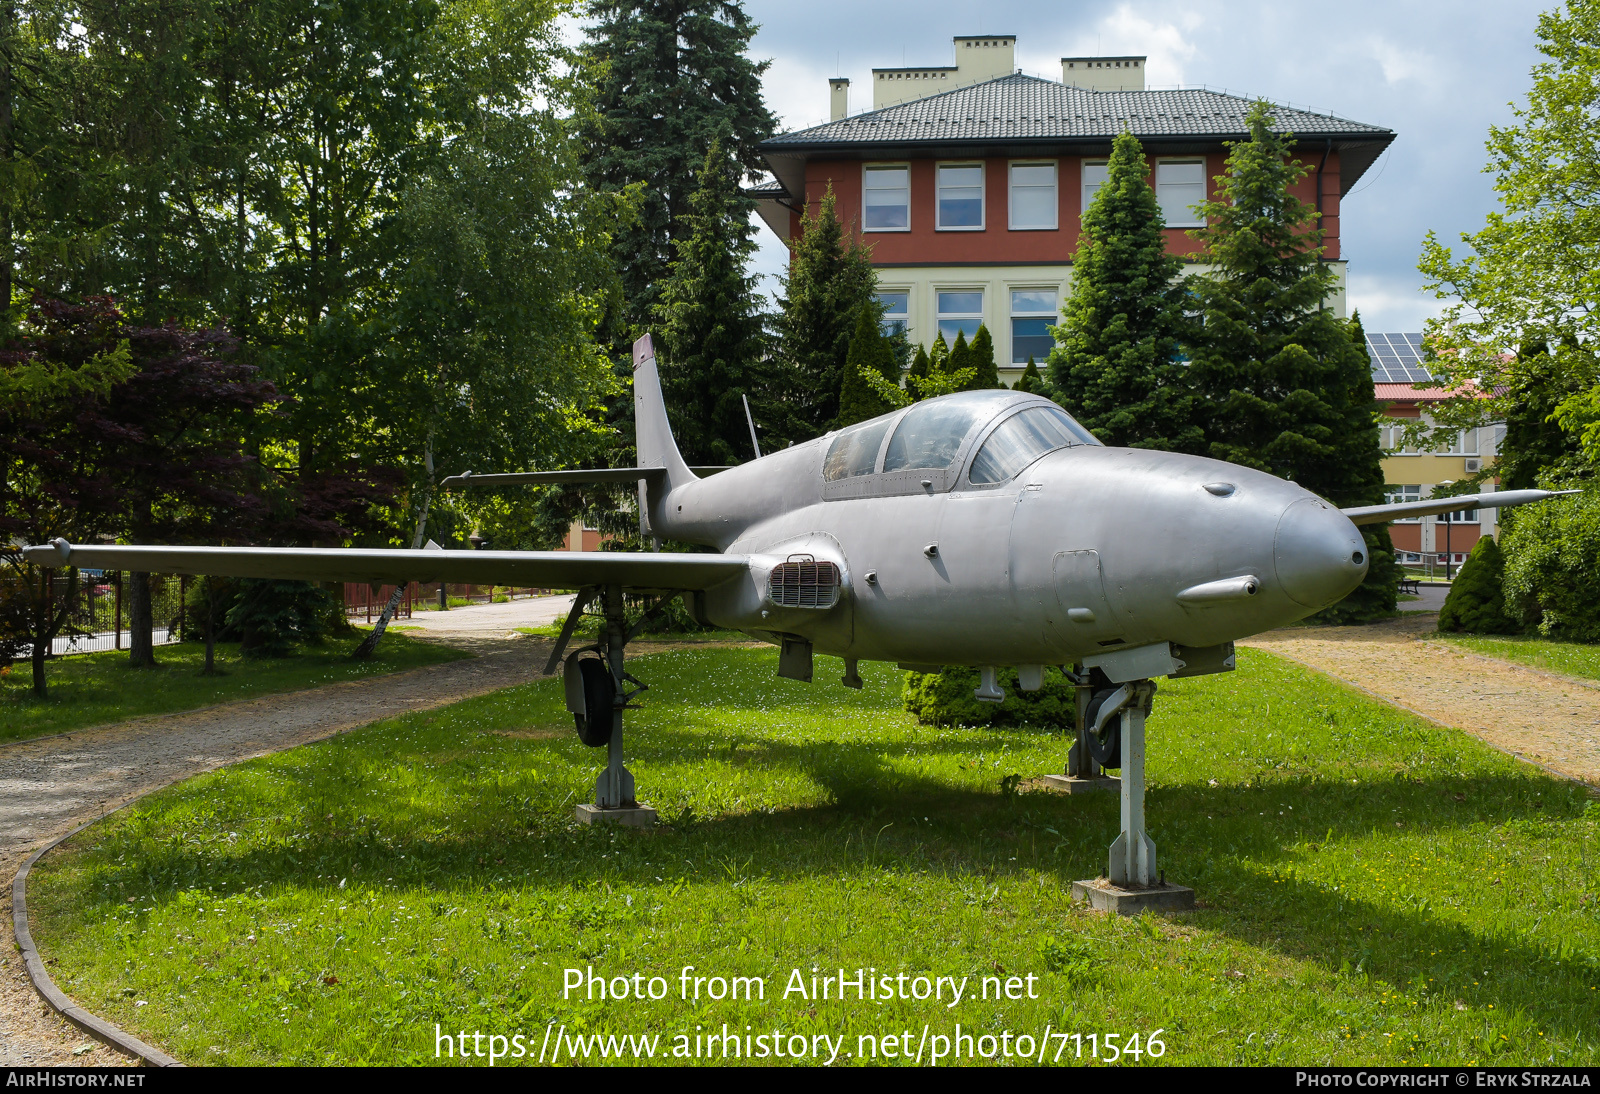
(968, 181)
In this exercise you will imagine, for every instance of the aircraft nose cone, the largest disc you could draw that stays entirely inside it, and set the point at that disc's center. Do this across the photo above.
(1319, 555)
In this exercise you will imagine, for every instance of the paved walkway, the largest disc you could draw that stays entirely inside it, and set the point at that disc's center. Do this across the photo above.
(1551, 719)
(51, 785)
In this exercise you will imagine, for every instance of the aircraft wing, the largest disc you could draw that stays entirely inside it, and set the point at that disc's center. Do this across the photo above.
(546, 478)
(1379, 514)
(549, 569)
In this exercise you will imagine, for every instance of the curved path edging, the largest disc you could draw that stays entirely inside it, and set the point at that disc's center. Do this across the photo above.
(58, 1000)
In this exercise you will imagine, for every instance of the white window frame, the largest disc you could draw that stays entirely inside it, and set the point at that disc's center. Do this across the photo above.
(940, 316)
(1174, 161)
(1083, 181)
(983, 198)
(1394, 494)
(1055, 196)
(866, 172)
(1012, 313)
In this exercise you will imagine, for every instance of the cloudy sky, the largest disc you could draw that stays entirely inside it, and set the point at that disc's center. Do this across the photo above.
(1438, 74)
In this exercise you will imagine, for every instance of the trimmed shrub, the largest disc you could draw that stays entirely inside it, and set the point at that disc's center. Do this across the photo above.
(1552, 567)
(945, 698)
(271, 617)
(1476, 603)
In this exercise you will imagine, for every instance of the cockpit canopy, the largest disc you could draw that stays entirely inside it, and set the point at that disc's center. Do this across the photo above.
(933, 434)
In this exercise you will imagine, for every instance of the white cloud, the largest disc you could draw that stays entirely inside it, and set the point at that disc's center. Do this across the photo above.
(1123, 31)
(1390, 303)
(1400, 64)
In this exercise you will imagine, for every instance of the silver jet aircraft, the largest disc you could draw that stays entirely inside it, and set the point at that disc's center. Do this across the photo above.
(985, 528)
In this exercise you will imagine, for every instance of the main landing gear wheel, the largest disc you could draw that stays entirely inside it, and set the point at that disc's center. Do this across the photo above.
(1105, 745)
(597, 691)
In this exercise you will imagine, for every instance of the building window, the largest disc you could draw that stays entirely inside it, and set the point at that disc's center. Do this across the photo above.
(1460, 516)
(1396, 495)
(960, 312)
(1181, 184)
(896, 312)
(1032, 313)
(1094, 176)
(1033, 196)
(961, 197)
(886, 199)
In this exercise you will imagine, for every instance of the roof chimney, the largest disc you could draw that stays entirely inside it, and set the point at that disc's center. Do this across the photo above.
(839, 98)
(1103, 73)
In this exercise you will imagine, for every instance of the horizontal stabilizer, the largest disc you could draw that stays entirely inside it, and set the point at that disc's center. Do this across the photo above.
(644, 571)
(545, 478)
(1379, 514)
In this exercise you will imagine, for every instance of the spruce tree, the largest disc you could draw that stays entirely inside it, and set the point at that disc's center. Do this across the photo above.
(980, 357)
(1117, 363)
(712, 342)
(1032, 382)
(939, 352)
(830, 282)
(869, 351)
(1476, 603)
(667, 78)
(960, 354)
(921, 366)
(1282, 384)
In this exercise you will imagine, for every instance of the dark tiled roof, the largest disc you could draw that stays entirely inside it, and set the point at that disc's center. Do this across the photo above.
(1019, 107)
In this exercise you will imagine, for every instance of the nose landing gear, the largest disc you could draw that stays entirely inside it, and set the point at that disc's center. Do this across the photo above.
(1132, 883)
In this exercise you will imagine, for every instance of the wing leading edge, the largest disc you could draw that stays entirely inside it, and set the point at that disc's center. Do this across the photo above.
(1379, 514)
(550, 569)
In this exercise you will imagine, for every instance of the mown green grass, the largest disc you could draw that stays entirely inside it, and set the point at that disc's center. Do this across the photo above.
(96, 688)
(1572, 658)
(1374, 889)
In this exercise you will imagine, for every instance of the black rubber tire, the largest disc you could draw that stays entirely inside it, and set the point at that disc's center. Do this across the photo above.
(1107, 750)
(599, 697)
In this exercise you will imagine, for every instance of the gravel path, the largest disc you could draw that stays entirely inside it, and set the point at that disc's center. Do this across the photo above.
(51, 785)
(1550, 719)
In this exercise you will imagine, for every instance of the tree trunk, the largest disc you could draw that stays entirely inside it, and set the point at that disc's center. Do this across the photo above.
(211, 629)
(369, 645)
(141, 624)
(42, 636)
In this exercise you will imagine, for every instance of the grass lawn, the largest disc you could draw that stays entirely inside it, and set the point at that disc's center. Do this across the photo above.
(1374, 889)
(95, 688)
(1572, 658)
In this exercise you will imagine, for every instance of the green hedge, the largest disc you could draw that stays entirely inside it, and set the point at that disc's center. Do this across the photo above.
(1552, 559)
(945, 698)
(1476, 604)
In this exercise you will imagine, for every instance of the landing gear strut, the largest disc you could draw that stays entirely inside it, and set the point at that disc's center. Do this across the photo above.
(1132, 883)
(598, 691)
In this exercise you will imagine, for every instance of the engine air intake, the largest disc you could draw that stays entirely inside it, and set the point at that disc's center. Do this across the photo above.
(804, 584)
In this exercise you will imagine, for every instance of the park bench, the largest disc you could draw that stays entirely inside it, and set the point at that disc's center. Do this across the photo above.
(1409, 586)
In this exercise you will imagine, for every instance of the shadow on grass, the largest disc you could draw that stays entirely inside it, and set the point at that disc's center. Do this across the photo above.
(500, 831)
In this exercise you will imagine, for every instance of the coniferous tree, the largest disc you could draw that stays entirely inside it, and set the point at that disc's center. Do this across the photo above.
(712, 340)
(1117, 363)
(960, 354)
(1032, 382)
(670, 77)
(1476, 603)
(869, 351)
(921, 366)
(1282, 384)
(980, 358)
(939, 352)
(830, 282)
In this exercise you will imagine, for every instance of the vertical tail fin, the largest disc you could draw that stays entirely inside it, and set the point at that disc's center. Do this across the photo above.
(652, 430)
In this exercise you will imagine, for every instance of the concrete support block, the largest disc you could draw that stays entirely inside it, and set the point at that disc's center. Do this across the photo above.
(1069, 784)
(1103, 896)
(633, 816)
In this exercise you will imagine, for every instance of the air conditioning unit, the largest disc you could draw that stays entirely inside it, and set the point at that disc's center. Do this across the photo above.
(1472, 465)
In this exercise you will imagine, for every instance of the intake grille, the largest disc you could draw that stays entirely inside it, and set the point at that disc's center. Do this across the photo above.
(804, 584)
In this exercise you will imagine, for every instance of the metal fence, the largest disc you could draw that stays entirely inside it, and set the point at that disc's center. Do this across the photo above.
(96, 615)
(361, 600)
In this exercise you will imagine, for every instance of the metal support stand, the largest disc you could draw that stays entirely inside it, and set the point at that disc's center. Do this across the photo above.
(1132, 884)
(614, 799)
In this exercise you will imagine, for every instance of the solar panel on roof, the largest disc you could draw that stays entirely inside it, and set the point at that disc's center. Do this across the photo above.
(1397, 358)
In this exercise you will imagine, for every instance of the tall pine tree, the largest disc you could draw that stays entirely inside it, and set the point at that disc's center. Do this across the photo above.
(713, 345)
(669, 77)
(1282, 383)
(830, 282)
(1116, 365)
(1032, 382)
(869, 351)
